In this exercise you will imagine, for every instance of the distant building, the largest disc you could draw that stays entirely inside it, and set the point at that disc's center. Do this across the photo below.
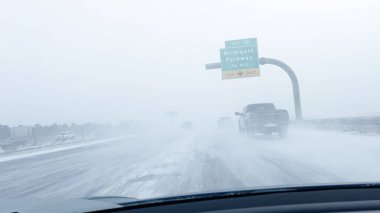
(21, 131)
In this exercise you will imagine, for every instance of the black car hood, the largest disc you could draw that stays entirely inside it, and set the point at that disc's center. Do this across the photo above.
(217, 195)
(42, 205)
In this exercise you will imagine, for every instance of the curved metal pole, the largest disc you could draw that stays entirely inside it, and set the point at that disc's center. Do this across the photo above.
(293, 78)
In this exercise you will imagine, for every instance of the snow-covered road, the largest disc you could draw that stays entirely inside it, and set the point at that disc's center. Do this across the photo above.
(191, 161)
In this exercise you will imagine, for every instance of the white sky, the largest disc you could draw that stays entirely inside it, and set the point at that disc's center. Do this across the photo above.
(109, 61)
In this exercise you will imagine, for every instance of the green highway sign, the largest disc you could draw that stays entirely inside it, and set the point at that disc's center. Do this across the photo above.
(240, 59)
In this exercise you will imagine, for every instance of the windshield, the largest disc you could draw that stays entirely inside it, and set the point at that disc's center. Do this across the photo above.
(147, 98)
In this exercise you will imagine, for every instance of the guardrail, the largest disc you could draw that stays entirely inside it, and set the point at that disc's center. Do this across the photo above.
(354, 124)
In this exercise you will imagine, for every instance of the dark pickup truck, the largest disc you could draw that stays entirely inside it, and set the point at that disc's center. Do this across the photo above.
(263, 118)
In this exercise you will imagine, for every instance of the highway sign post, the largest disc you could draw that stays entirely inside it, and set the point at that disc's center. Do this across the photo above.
(293, 78)
(239, 59)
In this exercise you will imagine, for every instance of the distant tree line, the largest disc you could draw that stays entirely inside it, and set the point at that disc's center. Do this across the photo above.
(94, 129)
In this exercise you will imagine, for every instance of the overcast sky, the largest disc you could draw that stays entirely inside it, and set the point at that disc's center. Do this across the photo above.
(109, 61)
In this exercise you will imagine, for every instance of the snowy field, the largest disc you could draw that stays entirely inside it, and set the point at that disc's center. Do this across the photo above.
(159, 164)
